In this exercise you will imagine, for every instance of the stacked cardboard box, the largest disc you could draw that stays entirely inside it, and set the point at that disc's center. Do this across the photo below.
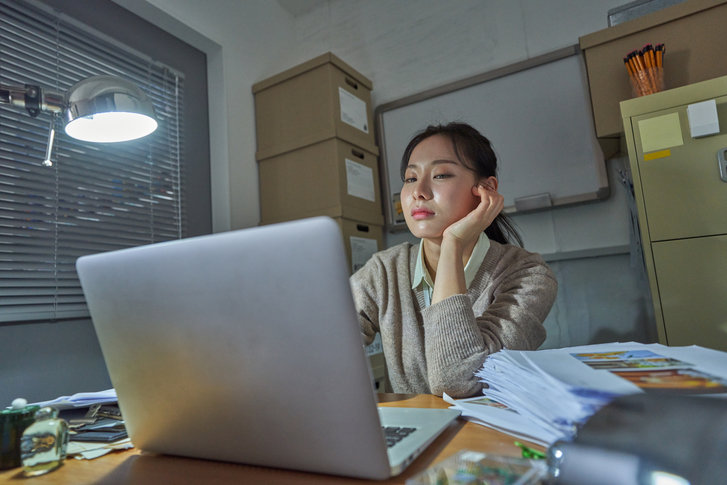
(316, 151)
(317, 155)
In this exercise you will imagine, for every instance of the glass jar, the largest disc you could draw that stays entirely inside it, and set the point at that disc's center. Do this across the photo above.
(43, 445)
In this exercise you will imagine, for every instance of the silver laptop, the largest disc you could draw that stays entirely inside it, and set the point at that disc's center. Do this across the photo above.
(244, 346)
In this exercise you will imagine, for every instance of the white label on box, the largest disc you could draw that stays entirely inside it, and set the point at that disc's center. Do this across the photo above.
(360, 180)
(353, 110)
(362, 248)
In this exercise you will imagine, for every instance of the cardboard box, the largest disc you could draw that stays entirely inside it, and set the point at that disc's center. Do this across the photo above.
(378, 371)
(360, 239)
(332, 178)
(319, 99)
(694, 39)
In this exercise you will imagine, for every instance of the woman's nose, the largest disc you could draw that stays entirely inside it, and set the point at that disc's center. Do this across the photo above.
(421, 190)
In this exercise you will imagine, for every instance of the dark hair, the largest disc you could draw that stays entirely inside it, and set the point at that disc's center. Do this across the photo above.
(475, 152)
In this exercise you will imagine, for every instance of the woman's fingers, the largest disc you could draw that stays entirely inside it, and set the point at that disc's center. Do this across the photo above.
(469, 227)
(491, 204)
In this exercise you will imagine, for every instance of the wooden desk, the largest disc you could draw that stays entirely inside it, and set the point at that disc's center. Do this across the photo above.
(137, 468)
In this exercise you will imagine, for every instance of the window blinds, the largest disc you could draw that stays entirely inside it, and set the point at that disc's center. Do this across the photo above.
(95, 197)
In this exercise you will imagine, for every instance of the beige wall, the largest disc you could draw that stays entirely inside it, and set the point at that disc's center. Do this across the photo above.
(403, 46)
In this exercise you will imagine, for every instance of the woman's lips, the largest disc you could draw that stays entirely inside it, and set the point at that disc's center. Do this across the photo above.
(417, 214)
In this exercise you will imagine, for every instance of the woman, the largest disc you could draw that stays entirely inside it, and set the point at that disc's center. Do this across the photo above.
(443, 305)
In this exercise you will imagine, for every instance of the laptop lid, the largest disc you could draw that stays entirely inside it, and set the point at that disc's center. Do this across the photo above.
(240, 346)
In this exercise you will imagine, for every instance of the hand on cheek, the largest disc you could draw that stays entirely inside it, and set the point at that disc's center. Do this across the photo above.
(488, 204)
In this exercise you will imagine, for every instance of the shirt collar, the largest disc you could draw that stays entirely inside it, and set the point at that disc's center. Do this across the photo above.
(476, 259)
(421, 274)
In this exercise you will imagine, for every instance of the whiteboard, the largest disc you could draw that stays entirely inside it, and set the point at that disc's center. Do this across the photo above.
(536, 114)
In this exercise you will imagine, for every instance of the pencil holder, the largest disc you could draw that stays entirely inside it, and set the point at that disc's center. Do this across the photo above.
(647, 81)
(646, 69)
(639, 84)
(658, 74)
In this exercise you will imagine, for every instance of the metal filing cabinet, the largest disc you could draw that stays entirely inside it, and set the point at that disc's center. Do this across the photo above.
(680, 185)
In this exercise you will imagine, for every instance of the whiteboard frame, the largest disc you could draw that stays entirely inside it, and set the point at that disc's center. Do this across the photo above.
(602, 192)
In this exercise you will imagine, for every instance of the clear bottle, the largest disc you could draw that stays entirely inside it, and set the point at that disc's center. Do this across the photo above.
(43, 445)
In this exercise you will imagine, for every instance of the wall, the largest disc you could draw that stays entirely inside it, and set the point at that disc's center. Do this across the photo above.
(41, 361)
(409, 46)
(404, 47)
(244, 41)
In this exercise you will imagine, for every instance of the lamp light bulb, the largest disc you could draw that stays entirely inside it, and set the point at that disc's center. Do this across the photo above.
(111, 127)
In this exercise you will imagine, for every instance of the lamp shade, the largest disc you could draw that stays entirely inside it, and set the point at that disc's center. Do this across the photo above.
(108, 109)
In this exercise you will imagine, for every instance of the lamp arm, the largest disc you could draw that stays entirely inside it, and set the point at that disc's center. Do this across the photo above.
(32, 98)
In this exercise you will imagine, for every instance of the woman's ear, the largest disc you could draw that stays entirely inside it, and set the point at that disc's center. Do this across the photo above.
(489, 182)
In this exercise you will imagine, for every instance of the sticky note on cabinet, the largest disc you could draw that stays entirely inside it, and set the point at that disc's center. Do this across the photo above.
(660, 132)
(703, 120)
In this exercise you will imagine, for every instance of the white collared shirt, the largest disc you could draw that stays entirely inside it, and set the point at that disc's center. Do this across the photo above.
(423, 279)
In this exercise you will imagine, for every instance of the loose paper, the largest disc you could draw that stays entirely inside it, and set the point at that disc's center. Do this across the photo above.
(353, 110)
(360, 180)
(81, 399)
(85, 450)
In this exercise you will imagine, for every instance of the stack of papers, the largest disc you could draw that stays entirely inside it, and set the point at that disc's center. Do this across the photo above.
(88, 450)
(545, 395)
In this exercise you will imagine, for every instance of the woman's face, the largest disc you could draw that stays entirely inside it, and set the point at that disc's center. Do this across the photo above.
(438, 188)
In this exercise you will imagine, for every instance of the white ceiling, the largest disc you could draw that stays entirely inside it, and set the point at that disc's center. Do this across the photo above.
(300, 7)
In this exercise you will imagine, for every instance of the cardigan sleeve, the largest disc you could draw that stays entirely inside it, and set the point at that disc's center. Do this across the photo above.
(462, 330)
(364, 283)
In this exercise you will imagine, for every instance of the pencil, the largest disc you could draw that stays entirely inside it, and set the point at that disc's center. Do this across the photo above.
(634, 64)
(628, 66)
(660, 49)
(647, 52)
(641, 71)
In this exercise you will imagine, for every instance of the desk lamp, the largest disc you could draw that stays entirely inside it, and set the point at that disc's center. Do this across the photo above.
(102, 109)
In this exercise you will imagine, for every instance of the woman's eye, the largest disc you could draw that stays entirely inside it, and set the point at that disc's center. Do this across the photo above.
(443, 176)
(409, 180)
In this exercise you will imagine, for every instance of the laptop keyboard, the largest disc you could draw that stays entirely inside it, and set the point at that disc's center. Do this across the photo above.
(394, 434)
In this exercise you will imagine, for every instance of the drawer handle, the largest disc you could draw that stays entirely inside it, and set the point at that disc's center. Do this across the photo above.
(357, 153)
(362, 228)
(722, 161)
(352, 83)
